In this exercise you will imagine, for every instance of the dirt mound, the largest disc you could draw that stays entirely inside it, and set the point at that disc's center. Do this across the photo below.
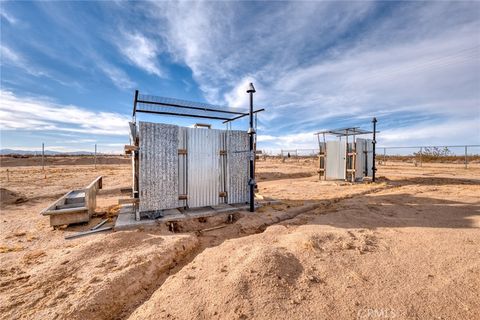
(101, 278)
(265, 276)
(9, 197)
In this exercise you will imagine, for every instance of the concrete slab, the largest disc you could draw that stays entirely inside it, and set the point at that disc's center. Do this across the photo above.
(126, 216)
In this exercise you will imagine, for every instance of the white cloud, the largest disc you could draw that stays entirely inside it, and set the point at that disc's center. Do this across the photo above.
(314, 66)
(14, 58)
(464, 131)
(142, 52)
(238, 97)
(7, 16)
(20, 113)
(302, 140)
(117, 75)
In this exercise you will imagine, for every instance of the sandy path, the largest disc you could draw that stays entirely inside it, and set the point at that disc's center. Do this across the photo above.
(404, 252)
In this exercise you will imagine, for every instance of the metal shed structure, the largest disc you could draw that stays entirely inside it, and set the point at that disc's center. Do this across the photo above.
(344, 159)
(189, 167)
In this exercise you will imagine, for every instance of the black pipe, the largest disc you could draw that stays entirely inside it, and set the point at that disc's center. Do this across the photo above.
(243, 115)
(251, 132)
(374, 142)
(135, 103)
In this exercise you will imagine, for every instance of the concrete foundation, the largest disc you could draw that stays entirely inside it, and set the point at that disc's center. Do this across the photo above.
(126, 216)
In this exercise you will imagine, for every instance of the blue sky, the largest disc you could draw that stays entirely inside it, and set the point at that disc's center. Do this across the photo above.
(69, 69)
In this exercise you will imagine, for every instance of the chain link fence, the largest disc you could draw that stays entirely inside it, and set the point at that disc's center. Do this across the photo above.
(48, 156)
(460, 155)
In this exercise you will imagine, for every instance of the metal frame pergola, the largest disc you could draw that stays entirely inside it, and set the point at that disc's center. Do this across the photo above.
(183, 108)
(351, 154)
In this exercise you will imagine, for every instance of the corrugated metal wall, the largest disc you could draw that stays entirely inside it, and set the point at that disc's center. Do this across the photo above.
(364, 158)
(158, 176)
(197, 162)
(203, 167)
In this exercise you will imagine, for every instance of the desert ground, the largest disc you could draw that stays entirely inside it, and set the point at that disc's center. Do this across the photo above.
(404, 247)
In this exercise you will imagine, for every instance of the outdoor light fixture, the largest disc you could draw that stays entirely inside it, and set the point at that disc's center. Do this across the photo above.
(251, 88)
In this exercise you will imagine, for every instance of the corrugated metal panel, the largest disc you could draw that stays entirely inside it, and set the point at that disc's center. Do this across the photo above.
(158, 166)
(336, 159)
(203, 167)
(237, 166)
(360, 162)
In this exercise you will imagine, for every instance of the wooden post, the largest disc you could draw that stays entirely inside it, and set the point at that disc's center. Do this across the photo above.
(466, 160)
(384, 156)
(95, 157)
(8, 176)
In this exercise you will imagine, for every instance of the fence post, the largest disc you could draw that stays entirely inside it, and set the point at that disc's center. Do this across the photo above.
(43, 155)
(466, 160)
(384, 156)
(95, 157)
(421, 153)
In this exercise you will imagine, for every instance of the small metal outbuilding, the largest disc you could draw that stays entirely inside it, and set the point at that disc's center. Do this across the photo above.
(343, 159)
(190, 167)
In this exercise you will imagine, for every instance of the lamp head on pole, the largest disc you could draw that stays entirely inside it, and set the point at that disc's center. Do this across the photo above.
(251, 88)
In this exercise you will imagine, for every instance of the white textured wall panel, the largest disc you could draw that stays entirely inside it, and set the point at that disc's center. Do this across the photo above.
(158, 179)
(203, 167)
(336, 159)
(237, 166)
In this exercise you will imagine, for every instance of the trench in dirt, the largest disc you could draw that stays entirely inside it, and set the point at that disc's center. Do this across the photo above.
(216, 237)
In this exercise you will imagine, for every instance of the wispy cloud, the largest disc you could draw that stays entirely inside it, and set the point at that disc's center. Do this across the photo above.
(23, 113)
(142, 52)
(7, 16)
(14, 58)
(328, 61)
(117, 75)
(10, 57)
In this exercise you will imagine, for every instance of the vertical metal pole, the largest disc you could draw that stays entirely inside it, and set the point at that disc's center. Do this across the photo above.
(324, 158)
(95, 157)
(43, 156)
(135, 99)
(374, 142)
(251, 132)
(346, 155)
(384, 156)
(466, 160)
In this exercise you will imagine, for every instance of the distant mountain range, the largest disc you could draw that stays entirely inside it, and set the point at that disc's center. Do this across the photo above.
(47, 152)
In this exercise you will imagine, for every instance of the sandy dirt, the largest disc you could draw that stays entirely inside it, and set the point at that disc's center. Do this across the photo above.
(406, 247)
